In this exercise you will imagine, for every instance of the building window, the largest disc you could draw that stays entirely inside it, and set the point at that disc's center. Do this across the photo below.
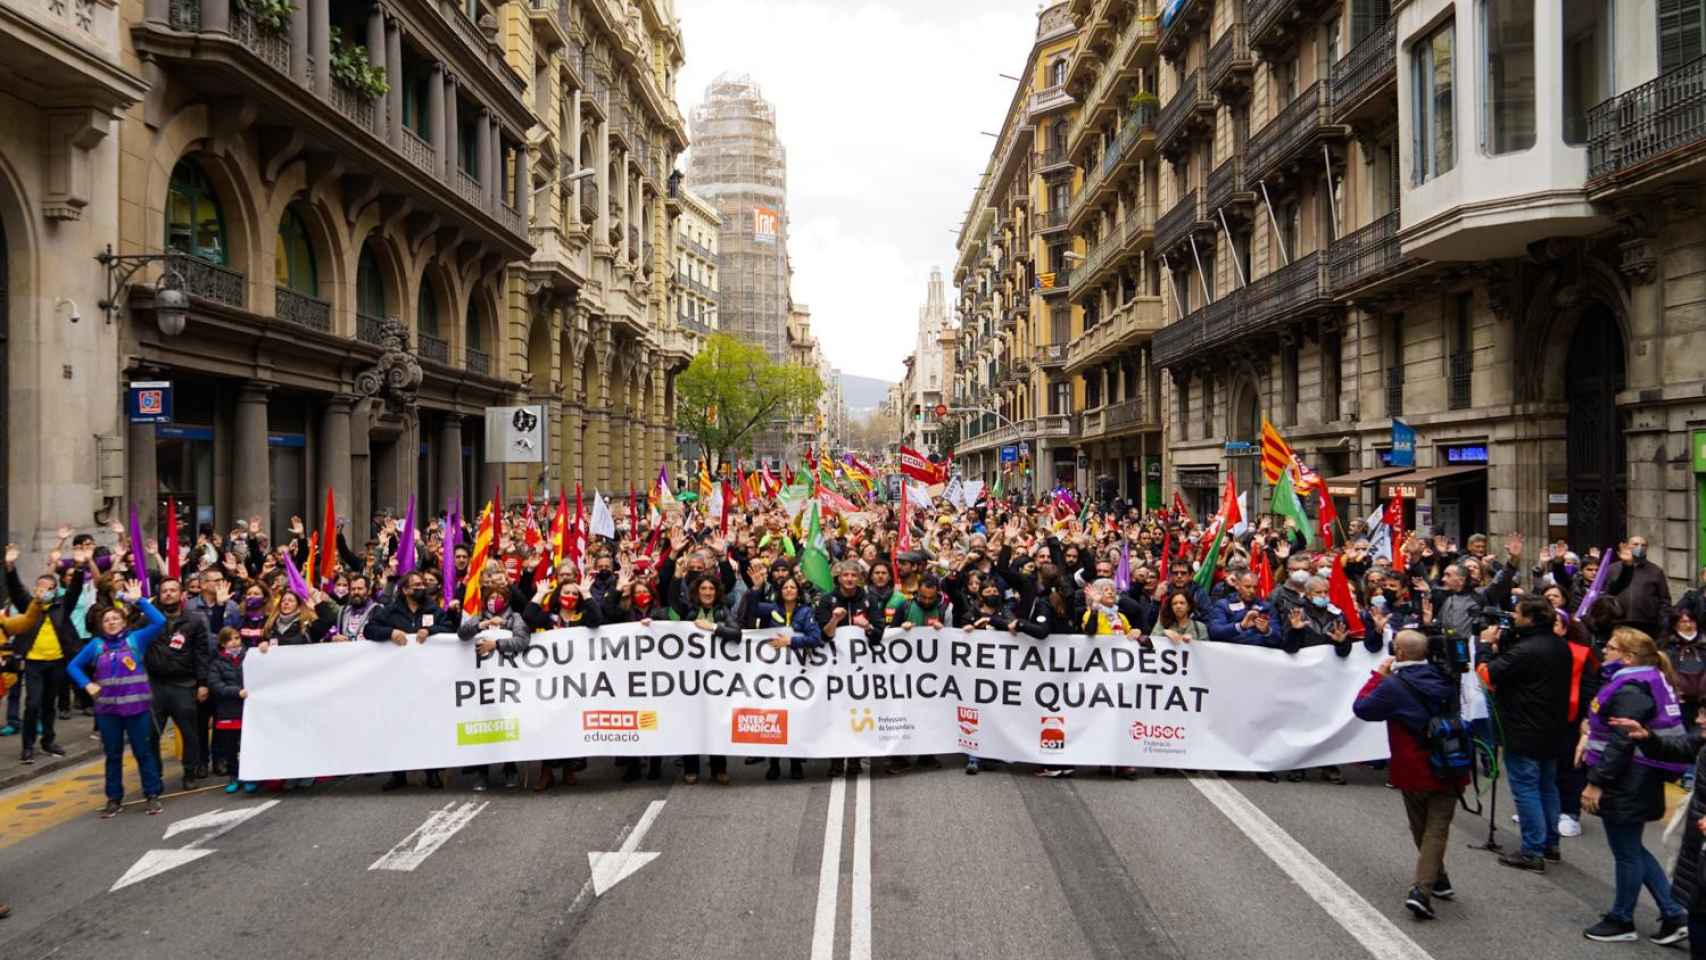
(194, 223)
(1057, 73)
(1184, 409)
(1431, 62)
(1208, 406)
(1587, 62)
(369, 284)
(415, 99)
(293, 257)
(1288, 384)
(1462, 361)
(472, 324)
(1682, 33)
(1290, 220)
(1507, 75)
(1332, 355)
(1333, 51)
(468, 146)
(1060, 398)
(1392, 351)
(426, 311)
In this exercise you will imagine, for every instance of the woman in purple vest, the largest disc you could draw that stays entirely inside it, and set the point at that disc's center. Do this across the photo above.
(1626, 786)
(119, 684)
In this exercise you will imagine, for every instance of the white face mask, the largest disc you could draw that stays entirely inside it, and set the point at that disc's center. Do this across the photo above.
(1687, 637)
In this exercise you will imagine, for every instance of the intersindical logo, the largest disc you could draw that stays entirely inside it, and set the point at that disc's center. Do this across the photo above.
(756, 725)
(473, 733)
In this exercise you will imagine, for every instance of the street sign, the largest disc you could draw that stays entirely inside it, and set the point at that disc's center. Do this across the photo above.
(1010, 453)
(1239, 448)
(941, 410)
(149, 401)
(515, 434)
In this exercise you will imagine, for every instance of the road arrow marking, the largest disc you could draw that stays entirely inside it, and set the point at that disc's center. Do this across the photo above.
(612, 867)
(414, 849)
(220, 822)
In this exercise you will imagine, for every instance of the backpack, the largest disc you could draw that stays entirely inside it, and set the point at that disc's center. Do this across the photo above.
(1450, 745)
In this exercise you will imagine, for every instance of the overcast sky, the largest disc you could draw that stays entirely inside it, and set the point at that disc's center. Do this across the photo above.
(879, 104)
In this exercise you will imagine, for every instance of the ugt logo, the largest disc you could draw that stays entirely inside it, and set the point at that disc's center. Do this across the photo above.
(861, 721)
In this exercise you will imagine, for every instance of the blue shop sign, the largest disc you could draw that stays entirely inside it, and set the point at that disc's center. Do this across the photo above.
(1403, 444)
(148, 401)
(1469, 453)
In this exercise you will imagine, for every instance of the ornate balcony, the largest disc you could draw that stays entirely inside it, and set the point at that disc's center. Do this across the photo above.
(1274, 24)
(1200, 331)
(1050, 221)
(1293, 290)
(1189, 113)
(1187, 16)
(436, 349)
(1120, 65)
(212, 282)
(1362, 78)
(1115, 419)
(1639, 133)
(1129, 324)
(1230, 64)
(1055, 282)
(1050, 355)
(477, 361)
(369, 328)
(1292, 136)
(1363, 258)
(1188, 217)
(1227, 190)
(303, 309)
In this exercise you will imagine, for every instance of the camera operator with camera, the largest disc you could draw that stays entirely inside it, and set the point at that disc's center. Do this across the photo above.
(1530, 679)
(1413, 695)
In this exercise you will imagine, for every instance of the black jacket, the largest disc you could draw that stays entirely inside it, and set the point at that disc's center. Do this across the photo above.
(58, 613)
(1644, 592)
(1686, 879)
(225, 684)
(1043, 620)
(1530, 678)
(858, 604)
(1631, 791)
(396, 615)
(179, 655)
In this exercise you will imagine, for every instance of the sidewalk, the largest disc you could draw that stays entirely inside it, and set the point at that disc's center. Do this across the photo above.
(75, 735)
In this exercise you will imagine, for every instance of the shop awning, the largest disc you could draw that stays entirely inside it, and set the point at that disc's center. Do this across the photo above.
(1350, 484)
(1409, 484)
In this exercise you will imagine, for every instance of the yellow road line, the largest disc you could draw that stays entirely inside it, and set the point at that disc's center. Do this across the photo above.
(33, 808)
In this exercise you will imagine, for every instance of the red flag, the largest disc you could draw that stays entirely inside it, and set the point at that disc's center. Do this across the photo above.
(917, 466)
(1395, 524)
(328, 539)
(1230, 515)
(1326, 518)
(1166, 559)
(497, 529)
(1339, 591)
(740, 475)
(173, 564)
(787, 475)
(1179, 510)
(1264, 572)
(574, 548)
(724, 521)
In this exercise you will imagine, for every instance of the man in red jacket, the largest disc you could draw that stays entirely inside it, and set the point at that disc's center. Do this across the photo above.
(1405, 692)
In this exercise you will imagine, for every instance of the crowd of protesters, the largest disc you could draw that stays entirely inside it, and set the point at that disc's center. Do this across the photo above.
(109, 634)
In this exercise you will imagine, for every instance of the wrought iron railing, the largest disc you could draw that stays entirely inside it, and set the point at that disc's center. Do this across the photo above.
(1298, 285)
(1176, 224)
(1231, 52)
(1648, 121)
(1178, 27)
(1293, 127)
(1052, 219)
(273, 47)
(477, 361)
(210, 281)
(184, 15)
(1263, 16)
(369, 328)
(301, 308)
(1370, 64)
(1061, 278)
(1051, 354)
(1226, 180)
(1053, 157)
(436, 349)
(1191, 96)
(1363, 254)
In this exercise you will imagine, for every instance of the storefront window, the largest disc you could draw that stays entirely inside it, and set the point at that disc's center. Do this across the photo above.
(294, 256)
(1587, 63)
(1507, 75)
(194, 223)
(1431, 63)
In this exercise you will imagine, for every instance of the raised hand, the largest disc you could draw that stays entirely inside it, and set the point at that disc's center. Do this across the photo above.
(12, 555)
(64, 532)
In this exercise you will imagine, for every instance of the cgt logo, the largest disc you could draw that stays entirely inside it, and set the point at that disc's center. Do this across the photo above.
(622, 720)
(755, 725)
(1053, 734)
(862, 721)
(1156, 731)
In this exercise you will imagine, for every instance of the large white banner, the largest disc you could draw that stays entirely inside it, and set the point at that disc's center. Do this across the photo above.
(669, 688)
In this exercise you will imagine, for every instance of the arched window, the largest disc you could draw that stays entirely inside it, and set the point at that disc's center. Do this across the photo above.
(294, 256)
(473, 324)
(370, 284)
(426, 310)
(194, 223)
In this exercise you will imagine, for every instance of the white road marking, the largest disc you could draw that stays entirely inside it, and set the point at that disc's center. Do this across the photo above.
(155, 862)
(859, 937)
(829, 873)
(1378, 934)
(414, 849)
(611, 868)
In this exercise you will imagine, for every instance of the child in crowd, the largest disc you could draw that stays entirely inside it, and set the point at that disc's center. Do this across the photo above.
(225, 678)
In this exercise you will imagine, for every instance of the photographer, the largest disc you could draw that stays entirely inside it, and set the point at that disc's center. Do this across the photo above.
(1407, 691)
(1530, 679)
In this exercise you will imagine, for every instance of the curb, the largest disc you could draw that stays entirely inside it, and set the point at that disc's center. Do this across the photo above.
(47, 763)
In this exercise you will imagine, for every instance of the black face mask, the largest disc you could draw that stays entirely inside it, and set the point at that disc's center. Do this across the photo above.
(1391, 597)
(419, 594)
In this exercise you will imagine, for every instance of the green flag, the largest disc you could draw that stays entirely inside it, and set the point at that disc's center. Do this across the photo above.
(1286, 505)
(814, 562)
(1205, 575)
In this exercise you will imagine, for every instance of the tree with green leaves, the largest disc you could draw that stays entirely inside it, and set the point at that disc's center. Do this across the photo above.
(732, 390)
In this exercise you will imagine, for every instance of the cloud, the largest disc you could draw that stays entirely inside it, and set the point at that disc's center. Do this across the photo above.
(879, 104)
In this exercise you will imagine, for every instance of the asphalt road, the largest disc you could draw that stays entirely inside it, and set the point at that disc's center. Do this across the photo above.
(923, 864)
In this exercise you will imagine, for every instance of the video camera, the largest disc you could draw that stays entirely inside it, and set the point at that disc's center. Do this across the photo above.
(1499, 618)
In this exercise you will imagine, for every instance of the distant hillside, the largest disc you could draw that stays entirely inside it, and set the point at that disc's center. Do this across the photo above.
(863, 393)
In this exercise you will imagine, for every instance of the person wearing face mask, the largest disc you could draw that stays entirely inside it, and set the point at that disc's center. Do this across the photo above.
(1529, 675)
(120, 689)
(411, 617)
(177, 667)
(1243, 618)
(250, 614)
(1626, 786)
(1641, 586)
(1687, 652)
(1317, 623)
(43, 648)
(498, 629)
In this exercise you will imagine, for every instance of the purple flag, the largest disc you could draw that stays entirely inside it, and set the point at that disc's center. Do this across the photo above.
(298, 585)
(1122, 573)
(447, 563)
(406, 549)
(1598, 584)
(138, 559)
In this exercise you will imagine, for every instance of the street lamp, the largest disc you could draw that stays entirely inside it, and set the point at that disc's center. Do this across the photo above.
(580, 174)
(171, 302)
